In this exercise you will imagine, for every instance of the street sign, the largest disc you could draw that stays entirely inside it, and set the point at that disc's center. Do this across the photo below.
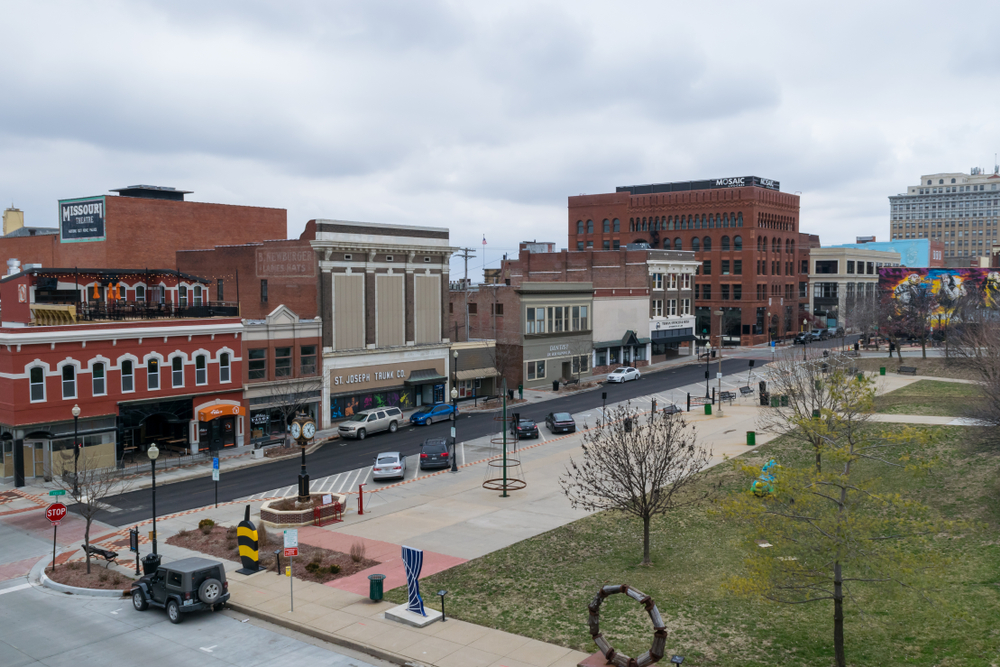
(718, 376)
(215, 463)
(215, 475)
(57, 492)
(291, 551)
(55, 512)
(291, 538)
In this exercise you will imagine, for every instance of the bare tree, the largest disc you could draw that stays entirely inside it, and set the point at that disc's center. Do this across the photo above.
(92, 487)
(637, 466)
(289, 397)
(977, 343)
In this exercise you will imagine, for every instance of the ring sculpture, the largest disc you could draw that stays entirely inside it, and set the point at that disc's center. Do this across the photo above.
(654, 654)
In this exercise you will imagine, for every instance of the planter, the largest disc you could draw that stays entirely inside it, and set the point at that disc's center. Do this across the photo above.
(275, 518)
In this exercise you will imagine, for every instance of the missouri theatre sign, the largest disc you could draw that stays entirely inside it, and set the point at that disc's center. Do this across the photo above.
(81, 220)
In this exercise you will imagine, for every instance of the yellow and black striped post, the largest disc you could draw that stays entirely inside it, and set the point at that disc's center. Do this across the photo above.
(246, 538)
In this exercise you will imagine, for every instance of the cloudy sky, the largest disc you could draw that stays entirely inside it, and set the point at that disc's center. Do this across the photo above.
(483, 117)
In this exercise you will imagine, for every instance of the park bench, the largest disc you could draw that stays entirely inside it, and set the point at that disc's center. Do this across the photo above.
(107, 555)
(571, 382)
(672, 409)
(727, 396)
(746, 391)
(907, 370)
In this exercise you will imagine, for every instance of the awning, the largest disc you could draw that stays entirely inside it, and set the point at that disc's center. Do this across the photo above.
(474, 373)
(220, 410)
(424, 376)
(628, 340)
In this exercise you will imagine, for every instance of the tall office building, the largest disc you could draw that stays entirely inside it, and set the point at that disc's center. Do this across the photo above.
(960, 210)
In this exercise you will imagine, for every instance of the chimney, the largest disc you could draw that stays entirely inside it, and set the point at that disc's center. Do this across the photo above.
(13, 265)
(13, 219)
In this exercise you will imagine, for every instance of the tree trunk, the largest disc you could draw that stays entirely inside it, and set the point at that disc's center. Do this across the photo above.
(645, 541)
(923, 347)
(86, 543)
(838, 616)
(819, 460)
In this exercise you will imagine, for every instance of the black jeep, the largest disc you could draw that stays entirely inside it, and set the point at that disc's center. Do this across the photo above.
(191, 584)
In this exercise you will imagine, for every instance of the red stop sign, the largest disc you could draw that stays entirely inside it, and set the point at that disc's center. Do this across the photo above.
(55, 512)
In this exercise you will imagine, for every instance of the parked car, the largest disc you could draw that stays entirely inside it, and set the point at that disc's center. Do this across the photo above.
(434, 413)
(434, 454)
(560, 422)
(802, 338)
(525, 428)
(389, 465)
(364, 423)
(181, 587)
(623, 374)
(817, 335)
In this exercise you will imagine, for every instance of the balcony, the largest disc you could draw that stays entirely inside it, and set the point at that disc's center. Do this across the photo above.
(122, 311)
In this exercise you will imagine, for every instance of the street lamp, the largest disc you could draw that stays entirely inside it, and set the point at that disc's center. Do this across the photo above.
(721, 345)
(805, 339)
(708, 359)
(76, 450)
(454, 432)
(152, 453)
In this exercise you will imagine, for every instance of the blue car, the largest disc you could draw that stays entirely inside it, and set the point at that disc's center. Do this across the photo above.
(434, 413)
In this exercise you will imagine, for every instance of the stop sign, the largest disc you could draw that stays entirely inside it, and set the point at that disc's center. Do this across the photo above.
(55, 512)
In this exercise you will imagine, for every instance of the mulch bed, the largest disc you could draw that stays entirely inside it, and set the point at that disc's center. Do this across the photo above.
(221, 543)
(75, 574)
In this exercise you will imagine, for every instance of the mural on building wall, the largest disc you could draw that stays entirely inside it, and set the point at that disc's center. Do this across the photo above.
(953, 288)
(342, 407)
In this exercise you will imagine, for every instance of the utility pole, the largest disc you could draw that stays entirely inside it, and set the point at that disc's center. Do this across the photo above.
(466, 254)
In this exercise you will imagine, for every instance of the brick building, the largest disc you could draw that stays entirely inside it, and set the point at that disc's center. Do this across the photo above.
(140, 370)
(141, 227)
(744, 231)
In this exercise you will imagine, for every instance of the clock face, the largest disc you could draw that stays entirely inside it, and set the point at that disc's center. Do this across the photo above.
(296, 430)
(309, 430)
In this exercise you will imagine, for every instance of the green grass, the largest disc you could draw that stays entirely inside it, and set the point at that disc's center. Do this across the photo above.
(930, 397)
(541, 587)
(931, 367)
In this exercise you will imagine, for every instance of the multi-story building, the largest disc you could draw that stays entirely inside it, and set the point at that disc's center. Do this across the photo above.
(382, 290)
(960, 210)
(141, 354)
(841, 277)
(912, 252)
(744, 231)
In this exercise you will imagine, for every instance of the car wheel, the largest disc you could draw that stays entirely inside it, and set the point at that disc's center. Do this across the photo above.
(139, 600)
(428, 421)
(361, 434)
(210, 591)
(174, 611)
(392, 427)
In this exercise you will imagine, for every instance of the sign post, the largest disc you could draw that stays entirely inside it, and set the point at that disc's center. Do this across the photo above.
(133, 546)
(215, 478)
(291, 551)
(55, 513)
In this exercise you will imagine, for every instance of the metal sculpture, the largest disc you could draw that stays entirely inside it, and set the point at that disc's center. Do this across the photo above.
(413, 562)
(654, 654)
(764, 485)
(246, 539)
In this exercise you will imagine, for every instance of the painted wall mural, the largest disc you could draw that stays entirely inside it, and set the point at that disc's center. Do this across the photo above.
(953, 288)
(342, 407)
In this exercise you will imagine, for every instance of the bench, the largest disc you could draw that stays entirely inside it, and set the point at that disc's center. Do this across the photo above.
(107, 555)
(907, 370)
(727, 396)
(746, 391)
(671, 409)
(571, 382)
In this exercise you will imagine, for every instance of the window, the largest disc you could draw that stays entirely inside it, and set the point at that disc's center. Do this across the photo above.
(257, 369)
(826, 266)
(68, 381)
(153, 374)
(128, 376)
(224, 367)
(536, 370)
(706, 267)
(197, 295)
(706, 291)
(686, 304)
(579, 245)
(590, 244)
(706, 243)
(725, 291)
(686, 282)
(725, 267)
(177, 372)
(606, 245)
(616, 244)
(583, 319)
(473, 309)
(182, 293)
(140, 293)
(678, 244)
(576, 318)
(616, 224)
(36, 381)
(581, 364)
(590, 226)
(672, 281)
(657, 281)
(737, 292)
(263, 291)
(805, 266)
(200, 370)
(725, 243)
(696, 244)
(97, 379)
(737, 267)
(738, 242)
(219, 284)
(607, 226)
(657, 307)
(802, 290)
(579, 226)
(535, 321)
(282, 362)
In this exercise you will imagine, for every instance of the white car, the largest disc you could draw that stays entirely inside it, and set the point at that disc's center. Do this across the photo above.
(623, 374)
(389, 465)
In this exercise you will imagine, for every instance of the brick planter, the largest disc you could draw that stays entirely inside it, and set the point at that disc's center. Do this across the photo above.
(273, 518)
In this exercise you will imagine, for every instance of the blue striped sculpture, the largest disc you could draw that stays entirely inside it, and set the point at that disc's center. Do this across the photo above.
(413, 561)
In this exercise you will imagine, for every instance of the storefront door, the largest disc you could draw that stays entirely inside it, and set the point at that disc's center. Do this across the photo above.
(228, 431)
(35, 456)
(215, 435)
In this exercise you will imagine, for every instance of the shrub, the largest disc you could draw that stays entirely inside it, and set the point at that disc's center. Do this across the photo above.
(206, 526)
(313, 567)
(231, 533)
(358, 552)
(334, 569)
(102, 577)
(262, 535)
(317, 558)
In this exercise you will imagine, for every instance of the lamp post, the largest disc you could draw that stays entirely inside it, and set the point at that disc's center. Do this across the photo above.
(708, 360)
(152, 453)
(805, 339)
(76, 450)
(719, 313)
(454, 432)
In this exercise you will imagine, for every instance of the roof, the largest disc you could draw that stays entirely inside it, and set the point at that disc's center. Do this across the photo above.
(192, 564)
(108, 274)
(32, 231)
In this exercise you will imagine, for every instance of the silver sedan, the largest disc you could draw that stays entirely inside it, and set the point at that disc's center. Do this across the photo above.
(389, 465)
(623, 374)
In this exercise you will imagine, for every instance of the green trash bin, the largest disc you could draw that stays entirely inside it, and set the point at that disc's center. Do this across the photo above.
(881, 370)
(375, 582)
(775, 401)
(708, 408)
(784, 401)
(751, 438)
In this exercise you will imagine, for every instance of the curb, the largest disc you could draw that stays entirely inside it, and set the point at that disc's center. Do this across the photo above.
(316, 633)
(38, 575)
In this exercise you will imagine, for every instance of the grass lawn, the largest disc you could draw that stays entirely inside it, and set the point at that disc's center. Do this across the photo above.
(541, 587)
(930, 397)
(932, 367)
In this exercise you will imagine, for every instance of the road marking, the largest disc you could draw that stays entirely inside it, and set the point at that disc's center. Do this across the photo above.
(208, 649)
(115, 612)
(19, 587)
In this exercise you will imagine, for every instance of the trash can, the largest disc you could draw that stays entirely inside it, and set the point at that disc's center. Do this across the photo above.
(375, 583)
(881, 370)
(784, 400)
(510, 394)
(751, 438)
(775, 402)
(765, 398)
(520, 391)
(708, 408)
(628, 424)
(150, 563)
(555, 385)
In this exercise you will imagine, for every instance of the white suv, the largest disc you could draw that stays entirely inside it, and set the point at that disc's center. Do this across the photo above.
(362, 424)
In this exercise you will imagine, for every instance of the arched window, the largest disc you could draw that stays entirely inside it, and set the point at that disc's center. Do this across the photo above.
(224, 367)
(579, 226)
(706, 243)
(152, 374)
(697, 222)
(97, 379)
(737, 243)
(128, 376)
(678, 244)
(36, 380)
(666, 244)
(739, 220)
(616, 224)
(590, 226)
(793, 247)
(725, 242)
(68, 381)
(200, 370)
(177, 372)
(644, 225)
(607, 226)
(695, 244)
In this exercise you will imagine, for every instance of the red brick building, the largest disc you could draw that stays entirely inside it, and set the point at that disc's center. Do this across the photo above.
(744, 231)
(141, 227)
